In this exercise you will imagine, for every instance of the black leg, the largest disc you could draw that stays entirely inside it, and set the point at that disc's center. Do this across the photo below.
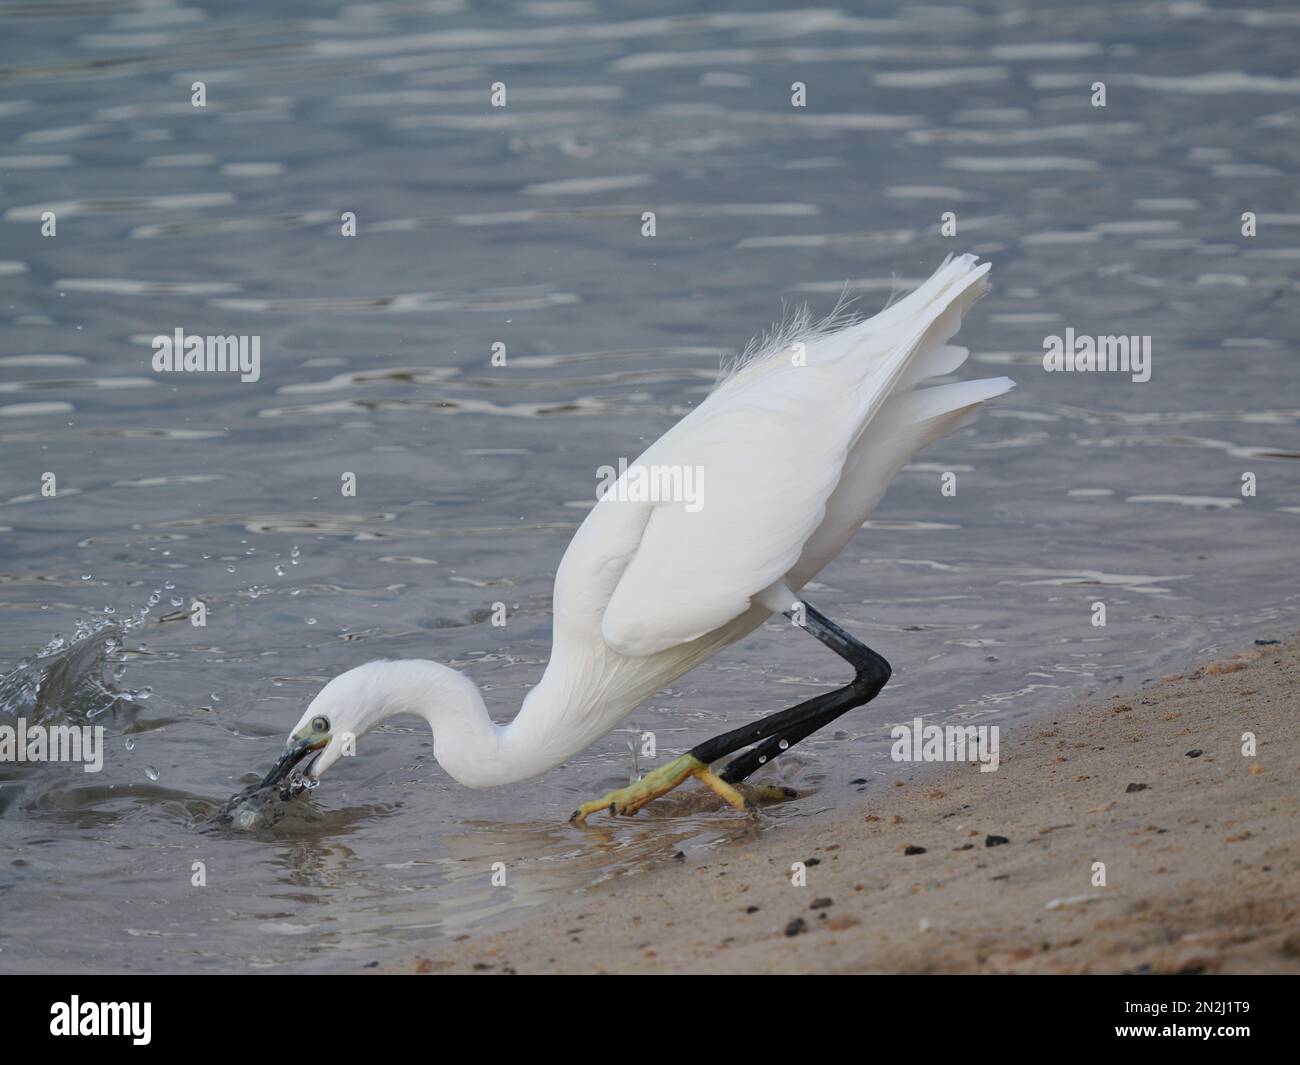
(780, 731)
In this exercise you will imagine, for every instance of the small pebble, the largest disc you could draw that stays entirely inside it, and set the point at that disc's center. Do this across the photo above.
(995, 841)
(913, 850)
(1195, 752)
(1135, 787)
(796, 927)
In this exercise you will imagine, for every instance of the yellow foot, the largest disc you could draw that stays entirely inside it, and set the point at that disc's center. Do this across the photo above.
(661, 781)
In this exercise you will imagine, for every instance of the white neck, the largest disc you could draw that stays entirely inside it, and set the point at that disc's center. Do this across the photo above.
(476, 751)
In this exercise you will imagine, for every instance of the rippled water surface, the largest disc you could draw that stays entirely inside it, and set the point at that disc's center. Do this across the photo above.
(523, 226)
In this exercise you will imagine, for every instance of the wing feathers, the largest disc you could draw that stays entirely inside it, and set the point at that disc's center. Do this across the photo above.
(769, 447)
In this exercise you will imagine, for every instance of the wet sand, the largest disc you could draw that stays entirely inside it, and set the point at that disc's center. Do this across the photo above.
(1201, 847)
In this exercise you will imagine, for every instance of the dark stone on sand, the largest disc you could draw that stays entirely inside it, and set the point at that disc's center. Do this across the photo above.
(820, 904)
(995, 841)
(913, 850)
(1195, 752)
(796, 927)
(1135, 787)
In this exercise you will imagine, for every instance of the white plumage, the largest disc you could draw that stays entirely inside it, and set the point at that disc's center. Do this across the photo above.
(797, 443)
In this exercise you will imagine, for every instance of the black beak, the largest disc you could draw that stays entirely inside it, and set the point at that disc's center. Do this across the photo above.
(298, 750)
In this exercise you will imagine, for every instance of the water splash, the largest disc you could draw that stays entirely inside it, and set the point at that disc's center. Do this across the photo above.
(76, 678)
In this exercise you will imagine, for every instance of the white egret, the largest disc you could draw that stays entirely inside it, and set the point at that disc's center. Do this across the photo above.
(798, 444)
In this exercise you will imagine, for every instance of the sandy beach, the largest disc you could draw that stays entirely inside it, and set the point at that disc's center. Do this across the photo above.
(957, 871)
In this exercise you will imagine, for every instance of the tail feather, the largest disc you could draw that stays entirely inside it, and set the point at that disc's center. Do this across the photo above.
(937, 361)
(912, 344)
(925, 404)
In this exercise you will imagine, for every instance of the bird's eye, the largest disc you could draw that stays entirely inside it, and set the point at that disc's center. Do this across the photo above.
(320, 724)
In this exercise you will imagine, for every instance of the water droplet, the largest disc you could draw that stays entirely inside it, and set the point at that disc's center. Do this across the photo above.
(783, 745)
(311, 621)
(762, 758)
(130, 743)
(151, 772)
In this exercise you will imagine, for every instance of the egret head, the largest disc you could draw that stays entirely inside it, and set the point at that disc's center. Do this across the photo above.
(465, 740)
(311, 737)
(347, 706)
(355, 702)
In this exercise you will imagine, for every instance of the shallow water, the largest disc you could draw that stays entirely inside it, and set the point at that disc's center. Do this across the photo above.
(523, 226)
